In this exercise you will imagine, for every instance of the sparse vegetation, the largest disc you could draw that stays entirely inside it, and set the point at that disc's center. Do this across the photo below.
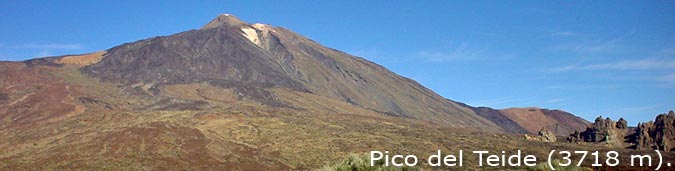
(355, 162)
(556, 165)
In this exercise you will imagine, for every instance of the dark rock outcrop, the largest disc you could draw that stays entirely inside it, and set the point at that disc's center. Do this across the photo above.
(599, 130)
(603, 130)
(622, 124)
(575, 137)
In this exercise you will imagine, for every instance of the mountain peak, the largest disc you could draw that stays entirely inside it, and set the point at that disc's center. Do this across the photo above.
(224, 20)
(255, 60)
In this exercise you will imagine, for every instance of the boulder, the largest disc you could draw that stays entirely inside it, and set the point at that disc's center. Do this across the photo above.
(543, 135)
(547, 136)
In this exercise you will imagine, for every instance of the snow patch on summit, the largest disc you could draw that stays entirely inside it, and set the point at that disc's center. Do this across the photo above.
(251, 34)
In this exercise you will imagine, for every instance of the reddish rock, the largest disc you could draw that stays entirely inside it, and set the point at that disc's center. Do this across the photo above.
(658, 135)
(664, 132)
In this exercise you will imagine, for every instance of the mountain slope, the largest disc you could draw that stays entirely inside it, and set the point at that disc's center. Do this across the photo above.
(251, 59)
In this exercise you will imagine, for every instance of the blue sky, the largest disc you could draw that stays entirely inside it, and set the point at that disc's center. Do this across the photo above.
(610, 58)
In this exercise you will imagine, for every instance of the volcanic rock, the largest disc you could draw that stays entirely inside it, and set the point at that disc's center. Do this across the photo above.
(543, 135)
(659, 135)
(622, 124)
(644, 138)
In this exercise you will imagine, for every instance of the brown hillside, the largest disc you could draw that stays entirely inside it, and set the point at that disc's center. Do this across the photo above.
(559, 122)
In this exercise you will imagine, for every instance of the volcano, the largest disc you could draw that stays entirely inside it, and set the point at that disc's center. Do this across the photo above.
(230, 95)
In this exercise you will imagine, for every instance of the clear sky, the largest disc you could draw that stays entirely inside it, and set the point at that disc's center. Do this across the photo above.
(610, 58)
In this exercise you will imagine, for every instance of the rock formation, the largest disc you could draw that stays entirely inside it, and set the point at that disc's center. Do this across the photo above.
(598, 131)
(622, 124)
(659, 135)
(544, 136)
(603, 130)
(644, 140)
